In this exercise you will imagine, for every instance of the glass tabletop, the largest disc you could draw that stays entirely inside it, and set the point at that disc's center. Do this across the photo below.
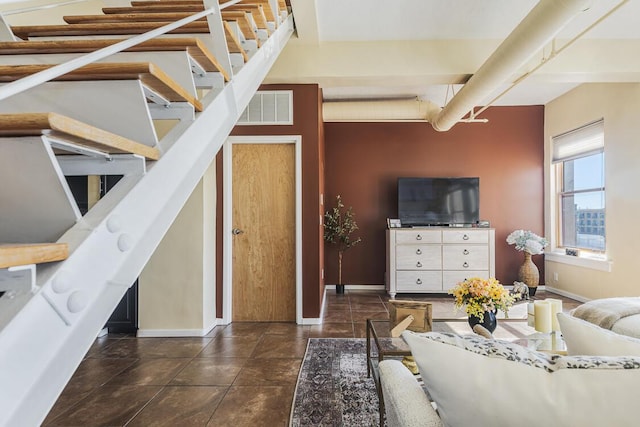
(386, 344)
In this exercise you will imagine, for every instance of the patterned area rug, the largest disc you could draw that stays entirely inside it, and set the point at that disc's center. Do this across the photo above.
(333, 388)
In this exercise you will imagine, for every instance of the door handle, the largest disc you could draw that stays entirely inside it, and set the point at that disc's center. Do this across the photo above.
(236, 231)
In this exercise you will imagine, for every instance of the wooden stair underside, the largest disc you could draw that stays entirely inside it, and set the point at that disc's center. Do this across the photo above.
(149, 74)
(57, 125)
(119, 28)
(194, 47)
(13, 255)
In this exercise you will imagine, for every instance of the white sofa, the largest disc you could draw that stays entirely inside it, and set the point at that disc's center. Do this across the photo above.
(475, 381)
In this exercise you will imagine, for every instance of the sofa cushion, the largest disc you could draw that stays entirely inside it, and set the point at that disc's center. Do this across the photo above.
(585, 338)
(475, 381)
(629, 326)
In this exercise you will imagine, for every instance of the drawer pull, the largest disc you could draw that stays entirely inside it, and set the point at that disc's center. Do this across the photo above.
(418, 252)
(418, 264)
(465, 265)
(418, 237)
(465, 252)
(465, 237)
(418, 282)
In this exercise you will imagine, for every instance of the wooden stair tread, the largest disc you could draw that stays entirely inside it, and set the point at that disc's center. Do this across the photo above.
(233, 44)
(256, 11)
(12, 255)
(194, 46)
(239, 16)
(148, 73)
(243, 21)
(154, 3)
(112, 28)
(129, 17)
(158, 7)
(26, 124)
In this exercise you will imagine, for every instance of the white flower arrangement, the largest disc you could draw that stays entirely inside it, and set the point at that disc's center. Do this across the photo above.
(527, 241)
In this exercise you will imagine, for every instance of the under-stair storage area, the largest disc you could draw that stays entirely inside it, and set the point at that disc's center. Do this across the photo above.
(148, 91)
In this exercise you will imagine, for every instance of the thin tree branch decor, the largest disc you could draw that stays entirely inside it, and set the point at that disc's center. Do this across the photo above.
(339, 224)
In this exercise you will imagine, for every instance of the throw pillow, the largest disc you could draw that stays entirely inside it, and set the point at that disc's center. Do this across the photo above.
(475, 381)
(585, 338)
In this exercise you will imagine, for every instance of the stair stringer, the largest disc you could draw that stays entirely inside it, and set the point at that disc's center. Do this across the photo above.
(42, 345)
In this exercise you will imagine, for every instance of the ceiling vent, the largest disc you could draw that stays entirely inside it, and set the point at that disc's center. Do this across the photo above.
(269, 107)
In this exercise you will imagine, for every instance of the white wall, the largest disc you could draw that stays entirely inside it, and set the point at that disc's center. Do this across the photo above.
(177, 286)
(619, 105)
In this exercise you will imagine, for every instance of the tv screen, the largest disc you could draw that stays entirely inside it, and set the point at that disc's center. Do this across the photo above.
(438, 201)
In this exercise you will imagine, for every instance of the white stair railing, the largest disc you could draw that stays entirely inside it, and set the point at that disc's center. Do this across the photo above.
(45, 334)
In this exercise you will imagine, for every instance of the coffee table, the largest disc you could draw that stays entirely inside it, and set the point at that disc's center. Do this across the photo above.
(547, 343)
(385, 347)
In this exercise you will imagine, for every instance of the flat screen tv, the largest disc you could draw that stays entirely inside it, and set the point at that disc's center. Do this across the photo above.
(438, 201)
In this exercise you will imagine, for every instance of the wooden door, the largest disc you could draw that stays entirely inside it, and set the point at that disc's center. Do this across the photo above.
(264, 256)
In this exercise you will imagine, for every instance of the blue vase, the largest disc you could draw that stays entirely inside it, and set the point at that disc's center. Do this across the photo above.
(489, 322)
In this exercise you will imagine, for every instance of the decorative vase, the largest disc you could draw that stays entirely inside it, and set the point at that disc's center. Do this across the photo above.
(490, 322)
(529, 274)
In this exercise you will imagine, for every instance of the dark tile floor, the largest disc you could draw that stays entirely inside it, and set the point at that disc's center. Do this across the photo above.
(243, 374)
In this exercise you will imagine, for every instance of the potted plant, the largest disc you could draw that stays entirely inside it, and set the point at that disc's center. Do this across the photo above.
(531, 244)
(339, 224)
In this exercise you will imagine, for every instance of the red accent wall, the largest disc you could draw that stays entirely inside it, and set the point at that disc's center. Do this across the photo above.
(364, 160)
(307, 122)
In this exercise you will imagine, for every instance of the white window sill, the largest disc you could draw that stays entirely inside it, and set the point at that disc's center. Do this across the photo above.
(591, 262)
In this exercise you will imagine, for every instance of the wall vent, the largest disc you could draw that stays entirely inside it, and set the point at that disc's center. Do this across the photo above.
(269, 107)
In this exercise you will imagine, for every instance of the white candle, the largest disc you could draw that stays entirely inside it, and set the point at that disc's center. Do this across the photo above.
(542, 310)
(556, 307)
(531, 315)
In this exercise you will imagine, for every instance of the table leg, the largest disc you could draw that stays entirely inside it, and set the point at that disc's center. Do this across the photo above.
(368, 349)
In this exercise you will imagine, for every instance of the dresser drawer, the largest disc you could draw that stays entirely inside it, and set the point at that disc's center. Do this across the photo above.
(465, 257)
(465, 236)
(418, 236)
(418, 257)
(452, 278)
(417, 281)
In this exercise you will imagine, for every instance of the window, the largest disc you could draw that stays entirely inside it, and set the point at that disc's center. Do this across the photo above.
(578, 157)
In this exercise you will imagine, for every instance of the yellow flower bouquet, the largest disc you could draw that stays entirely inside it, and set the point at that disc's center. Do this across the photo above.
(480, 295)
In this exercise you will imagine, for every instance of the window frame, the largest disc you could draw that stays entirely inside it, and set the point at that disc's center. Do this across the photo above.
(579, 143)
(561, 193)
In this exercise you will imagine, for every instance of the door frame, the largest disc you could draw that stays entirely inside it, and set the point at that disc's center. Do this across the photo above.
(227, 216)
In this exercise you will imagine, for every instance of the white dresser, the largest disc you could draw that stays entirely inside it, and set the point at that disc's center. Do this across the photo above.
(434, 259)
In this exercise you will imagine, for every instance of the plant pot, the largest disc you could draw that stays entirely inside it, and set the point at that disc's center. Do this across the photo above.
(339, 289)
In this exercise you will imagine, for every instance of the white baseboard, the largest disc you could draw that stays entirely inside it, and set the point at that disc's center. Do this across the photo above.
(357, 287)
(567, 294)
(311, 321)
(157, 333)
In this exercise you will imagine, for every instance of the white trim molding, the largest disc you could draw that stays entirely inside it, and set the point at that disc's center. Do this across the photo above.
(580, 261)
(157, 333)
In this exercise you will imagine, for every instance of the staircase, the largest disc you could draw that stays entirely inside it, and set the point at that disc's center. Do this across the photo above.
(107, 91)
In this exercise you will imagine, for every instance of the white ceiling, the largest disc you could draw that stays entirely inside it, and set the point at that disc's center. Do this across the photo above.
(373, 49)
